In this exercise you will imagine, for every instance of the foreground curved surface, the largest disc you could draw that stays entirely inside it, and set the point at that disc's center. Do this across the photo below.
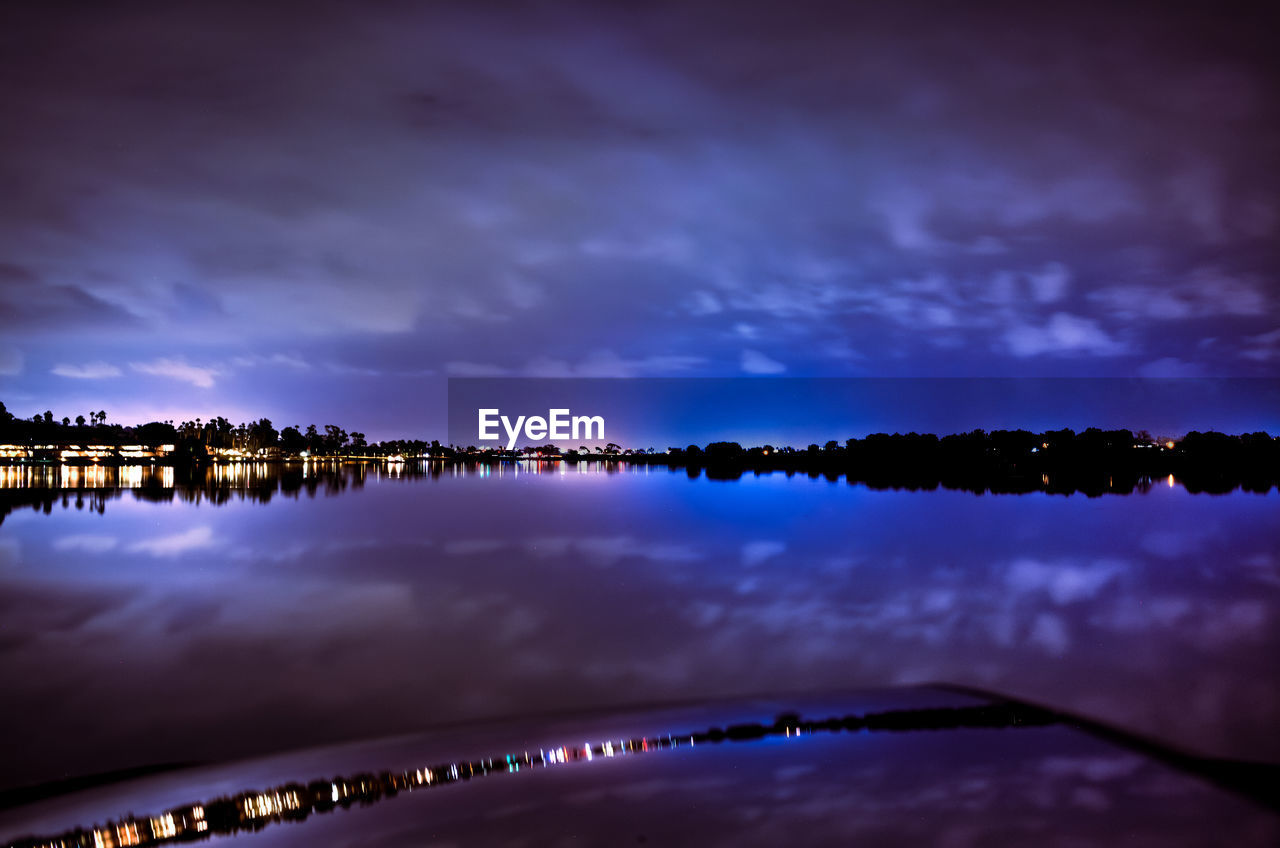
(924, 765)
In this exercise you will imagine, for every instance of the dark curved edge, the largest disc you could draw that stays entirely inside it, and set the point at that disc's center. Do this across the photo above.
(19, 795)
(1254, 780)
(10, 798)
(253, 809)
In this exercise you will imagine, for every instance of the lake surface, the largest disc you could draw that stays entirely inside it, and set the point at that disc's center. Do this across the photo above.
(253, 613)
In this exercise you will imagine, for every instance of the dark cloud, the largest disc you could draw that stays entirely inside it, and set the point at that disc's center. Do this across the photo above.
(704, 187)
(29, 303)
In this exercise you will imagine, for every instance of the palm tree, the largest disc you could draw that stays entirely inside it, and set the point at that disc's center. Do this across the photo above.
(79, 420)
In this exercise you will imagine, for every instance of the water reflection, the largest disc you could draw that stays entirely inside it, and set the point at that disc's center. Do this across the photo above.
(161, 630)
(85, 476)
(253, 810)
(1052, 780)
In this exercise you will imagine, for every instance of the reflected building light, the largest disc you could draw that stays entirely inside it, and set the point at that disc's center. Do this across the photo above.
(250, 811)
(164, 826)
(127, 834)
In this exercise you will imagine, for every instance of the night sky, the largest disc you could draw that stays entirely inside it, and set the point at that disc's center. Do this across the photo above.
(319, 213)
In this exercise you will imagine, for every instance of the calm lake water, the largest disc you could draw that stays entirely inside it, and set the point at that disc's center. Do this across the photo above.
(159, 625)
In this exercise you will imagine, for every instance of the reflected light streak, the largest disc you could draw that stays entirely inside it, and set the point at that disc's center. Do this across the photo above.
(250, 811)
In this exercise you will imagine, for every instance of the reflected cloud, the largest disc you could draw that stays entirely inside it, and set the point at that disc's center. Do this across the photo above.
(1174, 543)
(1050, 632)
(754, 553)
(1064, 582)
(610, 550)
(1098, 769)
(317, 607)
(1264, 567)
(86, 542)
(467, 547)
(193, 539)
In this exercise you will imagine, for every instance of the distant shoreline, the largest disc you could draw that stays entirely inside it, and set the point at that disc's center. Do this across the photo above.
(1093, 462)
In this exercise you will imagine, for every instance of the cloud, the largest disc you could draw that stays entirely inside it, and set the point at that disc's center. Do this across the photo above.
(608, 550)
(178, 369)
(178, 543)
(1063, 334)
(11, 361)
(600, 363)
(1171, 366)
(1097, 768)
(904, 213)
(524, 294)
(474, 369)
(755, 362)
(468, 547)
(754, 553)
(1064, 582)
(86, 542)
(1050, 282)
(1173, 544)
(988, 246)
(704, 303)
(1200, 293)
(1050, 632)
(89, 371)
(284, 360)
(1158, 302)
(1263, 347)
(606, 363)
(33, 304)
(621, 205)
(10, 551)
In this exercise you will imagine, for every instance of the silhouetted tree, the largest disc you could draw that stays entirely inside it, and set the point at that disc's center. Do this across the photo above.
(157, 433)
(292, 441)
(335, 438)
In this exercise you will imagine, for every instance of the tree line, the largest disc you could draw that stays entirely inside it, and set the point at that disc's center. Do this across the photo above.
(997, 460)
(194, 438)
